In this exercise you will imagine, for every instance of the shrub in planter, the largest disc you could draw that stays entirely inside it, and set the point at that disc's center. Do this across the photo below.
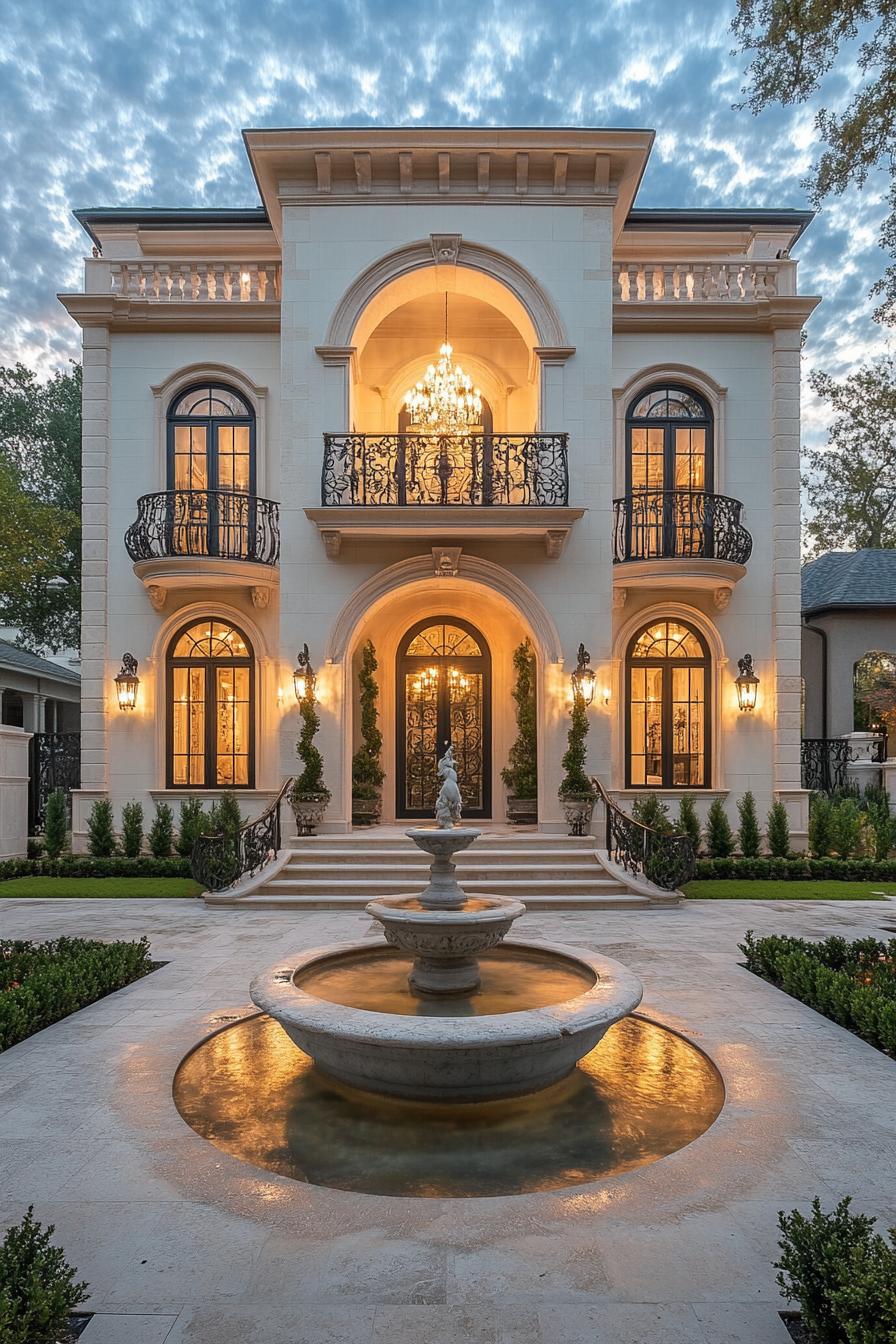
(778, 832)
(55, 824)
(367, 769)
(161, 832)
(132, 829)
(719, 837)
(820, 824)
(192, 822)
(576, 789)
(309, 794)
(38, 1291)
(101, 829)
(520, 774)
(688, 822)
(748, 836)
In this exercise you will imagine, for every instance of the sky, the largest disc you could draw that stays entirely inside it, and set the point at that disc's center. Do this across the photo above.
(140, 102)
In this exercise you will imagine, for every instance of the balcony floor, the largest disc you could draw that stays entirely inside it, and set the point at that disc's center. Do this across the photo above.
(551, 524)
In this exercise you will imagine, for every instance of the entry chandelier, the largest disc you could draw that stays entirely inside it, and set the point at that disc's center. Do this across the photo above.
(445, 400)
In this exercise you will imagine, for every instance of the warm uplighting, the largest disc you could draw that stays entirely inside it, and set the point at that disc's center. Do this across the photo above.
(747, 683)
(445, 400)
(583, 679)
(126, 682)
(304, 679)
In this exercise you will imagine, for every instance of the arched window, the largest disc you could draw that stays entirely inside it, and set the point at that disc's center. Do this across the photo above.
(667, 678)
(669, 466)
(211, 467)
(211, 707)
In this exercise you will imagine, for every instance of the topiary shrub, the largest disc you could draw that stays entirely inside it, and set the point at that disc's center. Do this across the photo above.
(367, 769)
(820, 824)
(161, 832)
(575, 782)
(688, 822)
(55, 824)
(778, 833)
(101, 830)
(38, 1291)
(192, 822)
(132, 829)
(520, 774)
(748, 836)
(652, 812)
(719, 836)
(309, 783)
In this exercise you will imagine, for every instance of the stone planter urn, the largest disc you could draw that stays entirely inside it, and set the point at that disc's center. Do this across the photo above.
(366, 811)
(578, 809)
(522, 811)
(309, 810)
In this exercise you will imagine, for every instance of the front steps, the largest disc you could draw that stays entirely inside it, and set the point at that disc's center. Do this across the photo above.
(547, 872)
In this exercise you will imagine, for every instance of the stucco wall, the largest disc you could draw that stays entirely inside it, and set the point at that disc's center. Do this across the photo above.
(850, 635)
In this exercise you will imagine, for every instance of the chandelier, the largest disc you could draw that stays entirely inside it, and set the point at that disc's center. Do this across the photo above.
(445, 400)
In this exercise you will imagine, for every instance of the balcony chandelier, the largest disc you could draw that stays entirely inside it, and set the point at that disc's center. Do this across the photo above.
(445, 400)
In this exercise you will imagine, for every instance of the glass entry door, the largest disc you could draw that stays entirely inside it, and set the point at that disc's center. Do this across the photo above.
(443, 684)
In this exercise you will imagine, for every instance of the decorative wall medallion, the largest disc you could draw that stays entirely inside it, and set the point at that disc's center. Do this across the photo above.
(445, 561)
(445, 248)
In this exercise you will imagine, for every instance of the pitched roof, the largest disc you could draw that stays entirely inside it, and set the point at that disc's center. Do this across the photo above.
(865, 578)
(21, 660)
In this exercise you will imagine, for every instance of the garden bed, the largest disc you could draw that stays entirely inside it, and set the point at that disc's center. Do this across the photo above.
(768, 889)
(85, 865)
(40, 983)
(853, 984)
(100, 888)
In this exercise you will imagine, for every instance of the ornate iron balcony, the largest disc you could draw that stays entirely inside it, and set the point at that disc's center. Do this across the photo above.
(221, 523)
(673, 524)
(824, 761)
(445, 469)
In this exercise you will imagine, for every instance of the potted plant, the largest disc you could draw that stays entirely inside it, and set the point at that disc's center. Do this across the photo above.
(367, 771)
(309, 794)
(576, 790)
(520, 774)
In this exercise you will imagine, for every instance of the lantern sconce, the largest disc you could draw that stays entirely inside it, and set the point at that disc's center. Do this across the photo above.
(583, 678)
(126, 682)
(304, 679)
(747, 683)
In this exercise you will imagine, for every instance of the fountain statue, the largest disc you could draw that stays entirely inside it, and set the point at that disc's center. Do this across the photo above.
(477, 1018)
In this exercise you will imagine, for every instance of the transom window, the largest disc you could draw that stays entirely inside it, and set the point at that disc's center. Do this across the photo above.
(443, 641)
(667, 699)
(211, 707)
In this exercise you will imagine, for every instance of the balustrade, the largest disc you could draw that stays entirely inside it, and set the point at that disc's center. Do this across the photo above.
(225, 524)
(700, 281)
(196, 281)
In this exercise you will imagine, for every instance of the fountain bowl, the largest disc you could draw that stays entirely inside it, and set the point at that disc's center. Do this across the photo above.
(446, 943)
(447, 1058)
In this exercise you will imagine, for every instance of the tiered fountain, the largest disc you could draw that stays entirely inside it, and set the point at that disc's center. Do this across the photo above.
(473, 1017)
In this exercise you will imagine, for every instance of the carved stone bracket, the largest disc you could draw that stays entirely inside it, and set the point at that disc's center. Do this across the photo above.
(620, 596)
(721, 597)
(554, 541)
(332, 540)
(445, 248)
(261, 597)
(445, 561)
(157, 595)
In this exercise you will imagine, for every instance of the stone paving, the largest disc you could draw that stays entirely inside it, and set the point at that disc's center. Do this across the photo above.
(185, 1245)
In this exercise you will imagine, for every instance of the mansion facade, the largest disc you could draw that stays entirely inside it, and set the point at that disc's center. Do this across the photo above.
(257, 479)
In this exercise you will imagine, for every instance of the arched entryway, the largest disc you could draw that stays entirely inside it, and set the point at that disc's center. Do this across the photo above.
(443, 697)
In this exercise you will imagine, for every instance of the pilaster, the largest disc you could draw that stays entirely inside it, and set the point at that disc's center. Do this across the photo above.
(94, 565)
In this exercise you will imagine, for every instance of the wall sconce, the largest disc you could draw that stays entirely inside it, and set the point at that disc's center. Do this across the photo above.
(303, 678)
(605, 696)
(583, 677)
(127, 681)
(746, 682)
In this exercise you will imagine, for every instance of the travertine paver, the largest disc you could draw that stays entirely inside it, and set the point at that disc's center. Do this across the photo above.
(185, 1245)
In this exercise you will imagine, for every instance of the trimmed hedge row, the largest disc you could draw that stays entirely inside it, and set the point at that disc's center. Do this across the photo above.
(43, 982)
(83, 865)
(853, 984)
(799, 868)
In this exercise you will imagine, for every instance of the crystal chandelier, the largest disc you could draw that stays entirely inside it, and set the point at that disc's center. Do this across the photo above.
(445, 400)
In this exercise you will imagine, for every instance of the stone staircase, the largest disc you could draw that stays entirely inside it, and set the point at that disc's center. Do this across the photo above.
(548, 872)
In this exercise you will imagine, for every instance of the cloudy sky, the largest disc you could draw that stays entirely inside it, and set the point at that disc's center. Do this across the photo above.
(141, 102)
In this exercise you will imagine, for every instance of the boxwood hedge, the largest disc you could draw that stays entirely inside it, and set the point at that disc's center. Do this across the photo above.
(799, 868)
(83, 865)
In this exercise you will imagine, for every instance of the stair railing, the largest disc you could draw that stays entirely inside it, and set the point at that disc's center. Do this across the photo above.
(668, 861)
(221, 860)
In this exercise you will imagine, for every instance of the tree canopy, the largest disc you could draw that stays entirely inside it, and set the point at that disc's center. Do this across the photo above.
(851, 483)
(795, 43)
(40, 483)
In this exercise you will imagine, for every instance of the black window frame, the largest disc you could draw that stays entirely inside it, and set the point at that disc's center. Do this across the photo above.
(211, 756)
(669, 423)
(668, 664)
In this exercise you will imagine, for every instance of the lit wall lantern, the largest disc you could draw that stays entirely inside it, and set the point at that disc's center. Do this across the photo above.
(304, 679)
(747, 683)
(583, 678)
(126, 682)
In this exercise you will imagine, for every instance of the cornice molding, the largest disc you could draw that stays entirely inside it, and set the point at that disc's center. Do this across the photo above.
(124, 314)
(763, 315)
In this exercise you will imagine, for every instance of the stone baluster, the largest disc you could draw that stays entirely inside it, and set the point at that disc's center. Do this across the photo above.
(216, 275)
(669, 284)
(162, 282)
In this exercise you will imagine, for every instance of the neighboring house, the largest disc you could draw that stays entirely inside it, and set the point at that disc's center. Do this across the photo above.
(628, 477)
(849, 611)
(36, 693)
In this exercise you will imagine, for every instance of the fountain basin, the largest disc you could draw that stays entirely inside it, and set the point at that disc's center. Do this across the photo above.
(448, 1058)
(446, 943)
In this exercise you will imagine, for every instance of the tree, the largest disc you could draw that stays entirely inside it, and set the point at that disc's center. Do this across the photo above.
(688, 822)
(879, 691)
(55, 824)
(795, 45)
(192, 822)
(719, 837)
(575, 783)
(367, 770)
(161, 832)
(778, 831)
(520, 774)
(310, 783)
(101, 830)
(851, 483)
(132, 829)
(748, 831)
(40, 483)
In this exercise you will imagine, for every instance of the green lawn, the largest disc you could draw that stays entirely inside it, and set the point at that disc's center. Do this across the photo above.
(101, 888)
(743, 889)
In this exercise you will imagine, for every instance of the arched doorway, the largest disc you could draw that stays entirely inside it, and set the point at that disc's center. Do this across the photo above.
(443, 697)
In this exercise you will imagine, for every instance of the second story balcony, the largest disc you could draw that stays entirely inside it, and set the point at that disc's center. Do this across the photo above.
(462, 485)
(205, 539)
(680, 538)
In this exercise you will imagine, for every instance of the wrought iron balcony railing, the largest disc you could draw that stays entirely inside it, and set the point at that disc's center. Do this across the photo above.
(671, 524)
(225, 524)
(825, 761)
(446, 469)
